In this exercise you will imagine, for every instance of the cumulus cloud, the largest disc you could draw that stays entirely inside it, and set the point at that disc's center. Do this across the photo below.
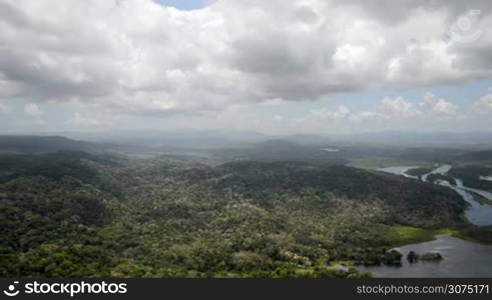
(444, 108)
(278, 118)
(80, 120)
(343, 113)
(4, 107)
(92, 118)
(484, 105)
(33, 111)
(397, 108)
(396, 112)
(138, 57)
(389, 110)
(441, 108)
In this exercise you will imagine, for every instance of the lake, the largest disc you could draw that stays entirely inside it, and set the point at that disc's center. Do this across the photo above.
(461, 259)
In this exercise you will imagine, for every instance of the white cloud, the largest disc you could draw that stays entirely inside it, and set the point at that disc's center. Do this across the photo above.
(323, 114)
(278, 118)
(444, 108)
(395, 113)
(484, 105)
(80, 120)
(93, 118)
(34, 113)
(4, 106)
(429, 99)
(397, 108)
(32, 110)
(138, 57)
(439, 107)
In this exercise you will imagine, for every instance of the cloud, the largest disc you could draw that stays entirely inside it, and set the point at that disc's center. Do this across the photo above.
(441, 108)
(343, 113)
(94, 119)
(389, 110)
(139, 57)
(33, 111)
(4, 107)
(397, 108)
(484, 105)
(80, 120)
(278, 118)
(444, 108)
(396, 112)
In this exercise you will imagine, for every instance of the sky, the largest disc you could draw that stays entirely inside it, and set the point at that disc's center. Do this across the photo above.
(185, 4)
(300, 66)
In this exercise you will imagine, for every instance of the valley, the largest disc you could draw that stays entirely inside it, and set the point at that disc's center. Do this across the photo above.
(219, 213)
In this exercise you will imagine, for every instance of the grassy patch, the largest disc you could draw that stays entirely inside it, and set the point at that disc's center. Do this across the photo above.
(474, 234)
(453, 233)
(405, 235)
(343, 263)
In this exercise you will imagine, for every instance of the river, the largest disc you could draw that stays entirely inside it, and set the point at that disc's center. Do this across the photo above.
(441, 171)
(461, 259)
(485, 194)
(477, 214)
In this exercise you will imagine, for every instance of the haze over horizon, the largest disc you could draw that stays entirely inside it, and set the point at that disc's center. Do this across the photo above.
(272, 67)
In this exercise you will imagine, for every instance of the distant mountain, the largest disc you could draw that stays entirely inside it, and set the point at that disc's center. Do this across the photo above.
(485, 155)
(277, 144)
(169, 140)
(281, 150)
(35, 144)
(421, 139)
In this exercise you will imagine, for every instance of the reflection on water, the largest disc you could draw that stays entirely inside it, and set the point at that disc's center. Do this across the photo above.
(477, 214)
(485, 194)
(461, 259)
(486, 178)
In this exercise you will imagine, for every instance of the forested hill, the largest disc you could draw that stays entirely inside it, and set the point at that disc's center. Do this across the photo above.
(408, 202)
(37, 144)
(76, 214)
(485, 155)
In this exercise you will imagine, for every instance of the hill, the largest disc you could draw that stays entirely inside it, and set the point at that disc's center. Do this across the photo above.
(36, 144)
(75, 214)
(485, 155)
